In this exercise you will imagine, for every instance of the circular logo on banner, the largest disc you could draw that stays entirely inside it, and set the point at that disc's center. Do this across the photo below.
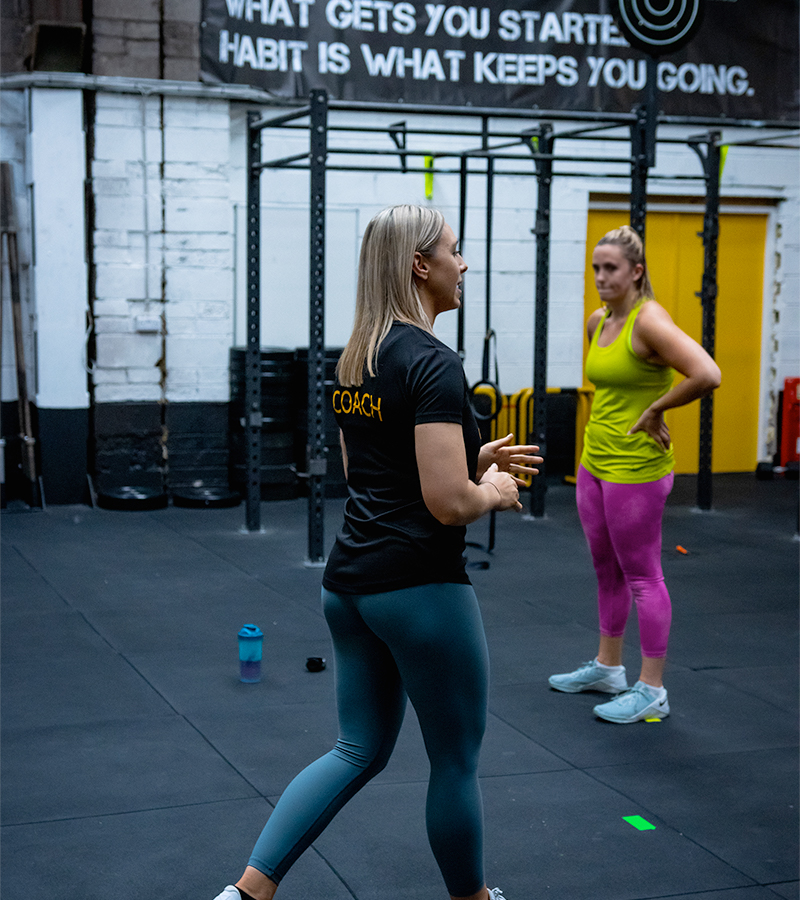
(659, 26)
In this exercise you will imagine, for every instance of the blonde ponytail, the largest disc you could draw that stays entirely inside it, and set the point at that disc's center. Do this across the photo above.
(632, 249)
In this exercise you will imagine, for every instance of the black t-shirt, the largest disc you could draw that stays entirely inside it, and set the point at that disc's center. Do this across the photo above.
(389, 539)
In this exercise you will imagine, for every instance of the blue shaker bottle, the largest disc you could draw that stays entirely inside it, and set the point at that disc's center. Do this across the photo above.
(251, 640)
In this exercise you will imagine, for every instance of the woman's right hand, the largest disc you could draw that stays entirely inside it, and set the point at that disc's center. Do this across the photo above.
(506, 487)
(652, 423)
(449, 493)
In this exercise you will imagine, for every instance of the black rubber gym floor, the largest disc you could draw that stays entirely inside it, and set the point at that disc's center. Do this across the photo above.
(135, 764)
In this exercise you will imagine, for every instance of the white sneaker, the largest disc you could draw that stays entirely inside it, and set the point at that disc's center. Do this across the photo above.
(591, 676)
(230, 893)
(642, 701)
(496, 894)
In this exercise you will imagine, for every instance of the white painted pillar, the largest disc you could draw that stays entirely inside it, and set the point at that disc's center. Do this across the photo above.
(57, 170)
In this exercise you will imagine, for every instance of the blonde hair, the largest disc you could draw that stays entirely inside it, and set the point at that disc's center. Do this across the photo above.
(386, 291)
(632, 249)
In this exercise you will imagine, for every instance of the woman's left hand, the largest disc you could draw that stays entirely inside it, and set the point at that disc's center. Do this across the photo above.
(509, 458)
(652, 423)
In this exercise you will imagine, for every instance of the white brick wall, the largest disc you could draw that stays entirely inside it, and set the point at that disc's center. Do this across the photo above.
(195, 214)
(199, 276)
(203, 259)
(122, 349)
(127, 223)
(164, 245)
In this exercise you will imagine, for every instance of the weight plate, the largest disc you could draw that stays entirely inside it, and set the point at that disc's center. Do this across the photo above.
(659, 26)
(132, 498)
(205, 498)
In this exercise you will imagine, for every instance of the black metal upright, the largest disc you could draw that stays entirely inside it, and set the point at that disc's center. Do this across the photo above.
(643, 148)
(710, 160)
(316, 458)
(542, 155)
(489, 236)
(639, 169)
(252, 358)
(487, 338)
(462, 228)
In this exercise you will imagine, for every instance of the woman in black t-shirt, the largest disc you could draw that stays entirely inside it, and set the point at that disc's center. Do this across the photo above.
(403, 616)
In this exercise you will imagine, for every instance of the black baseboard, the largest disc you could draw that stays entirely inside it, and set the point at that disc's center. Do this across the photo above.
(63, 442)
(61, 437)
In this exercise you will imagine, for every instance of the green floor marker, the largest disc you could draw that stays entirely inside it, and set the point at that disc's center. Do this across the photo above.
(639, 823)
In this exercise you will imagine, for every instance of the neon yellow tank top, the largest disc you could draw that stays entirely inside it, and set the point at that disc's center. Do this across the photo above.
(625, 385)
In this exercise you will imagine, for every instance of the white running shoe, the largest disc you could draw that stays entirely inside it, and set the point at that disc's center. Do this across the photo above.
(496, 894)
(642, 701)
(230, 893)
(591, 676)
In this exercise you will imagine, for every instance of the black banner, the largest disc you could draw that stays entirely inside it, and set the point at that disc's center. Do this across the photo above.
(555, 54)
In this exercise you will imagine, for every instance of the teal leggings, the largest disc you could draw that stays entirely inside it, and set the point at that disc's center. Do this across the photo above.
(425, 642)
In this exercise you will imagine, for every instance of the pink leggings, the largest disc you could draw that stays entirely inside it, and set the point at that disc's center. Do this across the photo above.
(622, 524)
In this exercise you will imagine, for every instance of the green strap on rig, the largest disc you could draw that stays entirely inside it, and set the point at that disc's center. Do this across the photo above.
(429, 177)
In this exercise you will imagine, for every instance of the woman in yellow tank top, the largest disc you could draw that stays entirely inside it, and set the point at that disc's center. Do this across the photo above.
(626, 471)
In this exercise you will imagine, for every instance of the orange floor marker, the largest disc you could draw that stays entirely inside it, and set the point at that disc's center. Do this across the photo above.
(682, 550)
